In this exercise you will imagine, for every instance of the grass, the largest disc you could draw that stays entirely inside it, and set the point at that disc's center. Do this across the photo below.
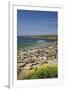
(44, 71)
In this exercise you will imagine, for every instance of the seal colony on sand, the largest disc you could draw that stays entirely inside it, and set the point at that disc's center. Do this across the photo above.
(28, 59)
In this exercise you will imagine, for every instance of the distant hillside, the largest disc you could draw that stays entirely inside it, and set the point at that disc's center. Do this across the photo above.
(49, 37)
(53, 37)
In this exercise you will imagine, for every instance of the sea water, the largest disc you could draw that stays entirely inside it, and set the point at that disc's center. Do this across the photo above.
(26, 42)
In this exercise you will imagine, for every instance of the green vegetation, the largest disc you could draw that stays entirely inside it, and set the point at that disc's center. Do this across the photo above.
(50, 37)
(44, 71)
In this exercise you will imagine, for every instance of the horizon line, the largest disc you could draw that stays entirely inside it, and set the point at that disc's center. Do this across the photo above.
(37, 35)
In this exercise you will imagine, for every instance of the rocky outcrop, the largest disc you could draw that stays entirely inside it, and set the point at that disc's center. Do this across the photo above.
(31, 58)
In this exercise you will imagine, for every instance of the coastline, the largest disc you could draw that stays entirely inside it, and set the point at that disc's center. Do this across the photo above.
(38, 45)
(32, 57)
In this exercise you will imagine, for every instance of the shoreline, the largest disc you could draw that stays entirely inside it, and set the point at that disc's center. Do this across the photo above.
(36, 46)
(29, 59)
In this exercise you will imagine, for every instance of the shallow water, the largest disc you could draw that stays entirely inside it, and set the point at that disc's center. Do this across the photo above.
(28, 42)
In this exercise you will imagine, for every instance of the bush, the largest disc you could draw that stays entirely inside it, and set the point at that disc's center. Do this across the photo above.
(45, 71)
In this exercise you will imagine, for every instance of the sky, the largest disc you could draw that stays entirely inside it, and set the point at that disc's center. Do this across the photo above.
(36, 22)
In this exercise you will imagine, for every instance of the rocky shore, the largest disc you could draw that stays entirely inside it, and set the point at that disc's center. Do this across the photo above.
(28, 59)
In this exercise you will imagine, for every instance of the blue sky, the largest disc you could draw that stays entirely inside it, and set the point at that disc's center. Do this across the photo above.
(36, 22)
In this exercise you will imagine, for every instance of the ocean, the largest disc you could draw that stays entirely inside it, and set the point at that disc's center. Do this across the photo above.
(27, 41)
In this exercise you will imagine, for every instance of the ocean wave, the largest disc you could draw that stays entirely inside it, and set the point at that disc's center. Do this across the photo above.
(40, 41)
